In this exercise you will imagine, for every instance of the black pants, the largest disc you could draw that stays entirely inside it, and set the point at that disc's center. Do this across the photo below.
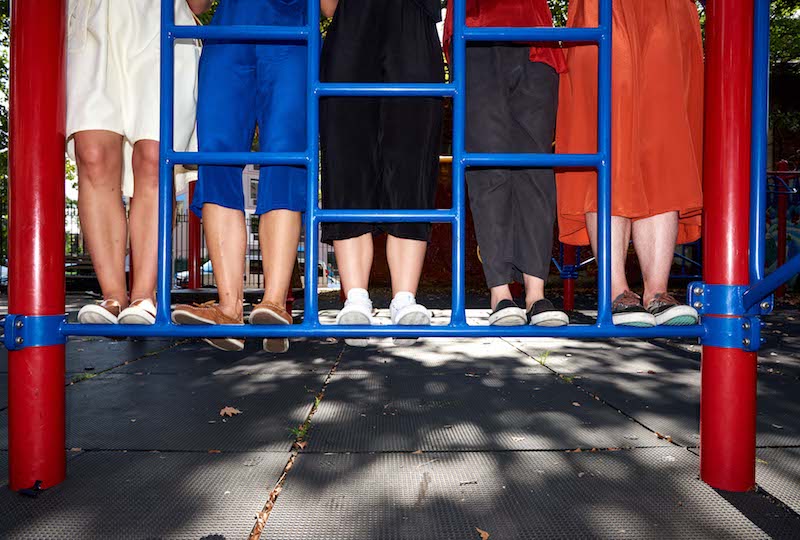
(511, 108)
(380, 153)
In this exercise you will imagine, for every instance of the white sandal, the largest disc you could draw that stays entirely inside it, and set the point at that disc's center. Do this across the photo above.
(106, 312)
(141, 311)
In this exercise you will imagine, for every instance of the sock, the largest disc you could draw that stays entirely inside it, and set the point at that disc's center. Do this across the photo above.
(358, 295)
(403, 299)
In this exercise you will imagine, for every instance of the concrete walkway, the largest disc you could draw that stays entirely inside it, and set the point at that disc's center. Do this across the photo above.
(445, 439)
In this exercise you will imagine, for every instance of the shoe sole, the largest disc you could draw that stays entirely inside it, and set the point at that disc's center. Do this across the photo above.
(223, 344)
(268, 317)
(414, 318)
(96, 315)
(137, 318)
(510, 316)
(354, 318)
(637, 320)
(550, 319)
(678, 316)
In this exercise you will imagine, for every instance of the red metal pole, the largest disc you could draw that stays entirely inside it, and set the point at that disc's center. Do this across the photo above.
(195, 241)
(783, 207)
(36, 239)
(569, 284)
(728, 393)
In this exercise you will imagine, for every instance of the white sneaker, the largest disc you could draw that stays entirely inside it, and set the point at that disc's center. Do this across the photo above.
(405, 311)
(357, 311)
(141, 311)
(106, 312)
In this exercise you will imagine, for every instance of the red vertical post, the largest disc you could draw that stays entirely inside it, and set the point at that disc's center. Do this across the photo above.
(36, 239)
(195, 241)
(728, 392)
(783, 208)
(570, 260)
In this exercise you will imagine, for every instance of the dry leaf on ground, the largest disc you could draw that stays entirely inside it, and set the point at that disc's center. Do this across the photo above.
(229, 411)
(484, 535)
(576, 404)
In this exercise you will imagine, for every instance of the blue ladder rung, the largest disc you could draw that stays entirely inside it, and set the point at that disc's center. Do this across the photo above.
(238, 158)
(240, 33)
(532, 160)
(386, 89)
(534, 34)
(385, 216)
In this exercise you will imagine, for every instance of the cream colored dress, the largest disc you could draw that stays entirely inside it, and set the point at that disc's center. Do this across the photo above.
(113, 66)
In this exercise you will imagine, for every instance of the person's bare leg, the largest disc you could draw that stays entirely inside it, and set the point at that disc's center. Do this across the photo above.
(620, 240)
(226, 239)
(654, 240)
(279, 234)
(102, 214)
(405, 258)
(354, 258)
(143, 220)
(498, 294)
(534, 290)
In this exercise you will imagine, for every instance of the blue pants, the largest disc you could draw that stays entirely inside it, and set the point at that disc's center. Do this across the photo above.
(241, 86)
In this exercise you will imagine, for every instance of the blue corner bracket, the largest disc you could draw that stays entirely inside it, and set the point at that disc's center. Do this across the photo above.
(22, 331)
(726, 320)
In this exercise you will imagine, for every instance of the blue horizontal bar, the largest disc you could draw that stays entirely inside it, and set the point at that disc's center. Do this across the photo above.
(237, 158)
(240, 33)
(763, 288)
(385, 89)
(323, 330)
(385, 216)
(533, 160)
(534, 34)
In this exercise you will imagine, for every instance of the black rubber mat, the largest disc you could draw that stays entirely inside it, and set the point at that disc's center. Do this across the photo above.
(669, 402)
(643, 493)
(3, 467)
(172, 412)
(778, 472)
(465, 410)
(137, 495)
(195, 357)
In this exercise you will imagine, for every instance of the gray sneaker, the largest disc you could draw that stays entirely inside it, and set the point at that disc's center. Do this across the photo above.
(627, 310)
(669, 312)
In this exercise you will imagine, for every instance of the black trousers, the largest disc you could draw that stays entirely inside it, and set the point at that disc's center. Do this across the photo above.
(380, 153)
(511, 108)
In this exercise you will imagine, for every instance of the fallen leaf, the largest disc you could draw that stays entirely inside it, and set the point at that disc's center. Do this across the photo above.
(576, 404)
(759, 460)
(468, 482)
(215, 451)
(229, 411)
(301, 444)
(581, 474)
(416, 452)
(776, 426)
(651, 372)
(484, 535)
(75, 449)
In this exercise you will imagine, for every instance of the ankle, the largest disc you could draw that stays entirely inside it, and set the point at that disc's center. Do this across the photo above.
(233, 311)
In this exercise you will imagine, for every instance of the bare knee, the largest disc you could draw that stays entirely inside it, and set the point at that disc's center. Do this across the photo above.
(99, 164)
(145, 165)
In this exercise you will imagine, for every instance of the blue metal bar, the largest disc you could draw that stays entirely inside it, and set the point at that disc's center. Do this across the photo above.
(458, 229)
(386, 216)
(533, 34)
(237, 158)
(325, 330)
(758, 159)
(533, 160)
(241, 33)
(386, 89)
(165, 168)
(310, 305)
(604, 172)
(766, 286)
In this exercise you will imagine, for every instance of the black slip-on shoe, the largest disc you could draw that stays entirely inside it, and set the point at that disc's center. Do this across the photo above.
(507, 313)
(544, 313)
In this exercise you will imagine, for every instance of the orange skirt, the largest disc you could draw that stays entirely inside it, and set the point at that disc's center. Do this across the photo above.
(656, 116)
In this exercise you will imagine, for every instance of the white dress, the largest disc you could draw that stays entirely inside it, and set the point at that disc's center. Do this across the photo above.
(113, 66)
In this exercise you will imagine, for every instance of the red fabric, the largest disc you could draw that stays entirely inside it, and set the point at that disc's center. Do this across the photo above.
(506, 13)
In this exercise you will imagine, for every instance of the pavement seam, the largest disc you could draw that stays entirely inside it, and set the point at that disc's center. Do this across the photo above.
(597, 397)
(299, 443)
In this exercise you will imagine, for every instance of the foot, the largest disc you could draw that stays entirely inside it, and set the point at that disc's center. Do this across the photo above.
(141, 311)
(627, 310)
(357, 311)
(271, 313)
(508, 313)
(669, 312)
(106, 312)
(405, 311)
(544, 313)
(210, 314)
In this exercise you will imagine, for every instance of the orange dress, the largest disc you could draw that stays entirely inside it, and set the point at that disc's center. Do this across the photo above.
(656, 116)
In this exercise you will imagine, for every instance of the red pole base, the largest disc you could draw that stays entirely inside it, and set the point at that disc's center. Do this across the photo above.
(569, 295)
(195, 247)
(36, 426)
(728, 419)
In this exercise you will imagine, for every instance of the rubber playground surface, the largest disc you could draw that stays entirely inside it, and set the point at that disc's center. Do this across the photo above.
(444, 439)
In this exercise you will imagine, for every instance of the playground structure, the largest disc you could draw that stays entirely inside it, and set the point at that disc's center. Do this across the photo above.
(731, 298)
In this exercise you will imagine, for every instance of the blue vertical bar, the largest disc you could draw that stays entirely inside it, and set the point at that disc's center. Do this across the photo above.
(310, 308)
(165, 182)
(459, 74)
(604, 171)
(758, 159)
